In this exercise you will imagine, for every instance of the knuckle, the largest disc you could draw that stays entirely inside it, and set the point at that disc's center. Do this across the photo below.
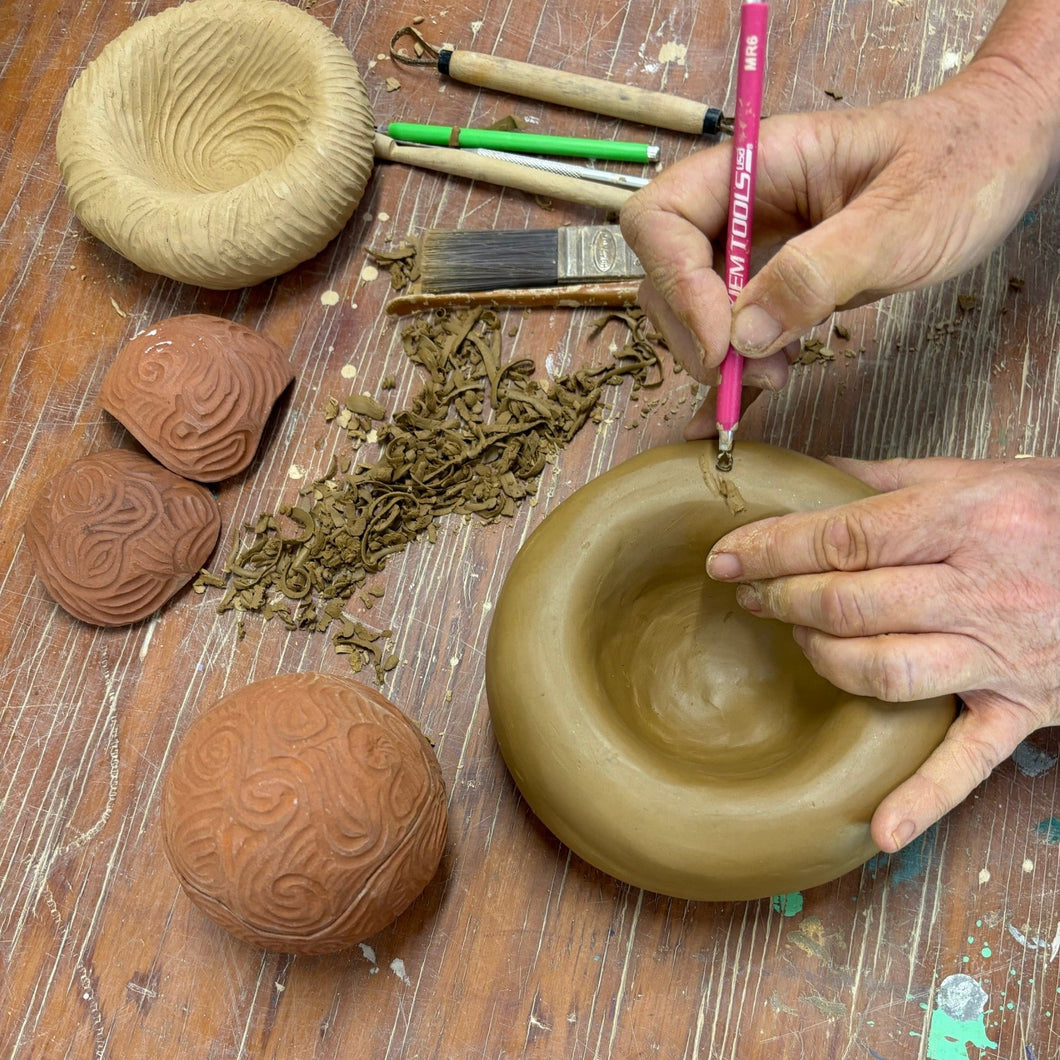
(892, 675)
(842, 542)
(843, 611)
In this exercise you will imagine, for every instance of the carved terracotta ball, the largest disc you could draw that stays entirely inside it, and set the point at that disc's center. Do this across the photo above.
(218, 143)
(304, 813)
(196, 392)
(114, 536)
(663, 733)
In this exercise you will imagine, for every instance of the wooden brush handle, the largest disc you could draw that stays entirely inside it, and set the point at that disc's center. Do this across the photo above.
(569, 296)
(658, 109)
(459, 163)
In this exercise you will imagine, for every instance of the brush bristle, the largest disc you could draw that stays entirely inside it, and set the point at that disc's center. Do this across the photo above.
(483, 260)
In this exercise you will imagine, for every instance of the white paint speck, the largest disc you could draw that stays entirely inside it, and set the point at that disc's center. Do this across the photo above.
(349, 371)
(984, 876)
(329, 298)
(367, 952)
(950, 61)
(1028, 865)
(397, 966)
(296, 472)
(384, 216)
(369, 273)
(673, 52)
(475, 27)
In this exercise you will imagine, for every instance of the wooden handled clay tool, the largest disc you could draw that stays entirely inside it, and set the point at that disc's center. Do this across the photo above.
(658, 109)
(459, 163)
(477, 260)
(750, 77)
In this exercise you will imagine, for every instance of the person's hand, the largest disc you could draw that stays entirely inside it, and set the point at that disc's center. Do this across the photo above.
(850, 205)
(947, 582)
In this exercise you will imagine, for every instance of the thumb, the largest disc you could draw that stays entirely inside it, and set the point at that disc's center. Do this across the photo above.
(984, 734)
(845, 259)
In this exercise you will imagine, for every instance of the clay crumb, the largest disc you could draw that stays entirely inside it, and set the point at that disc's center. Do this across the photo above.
(841, 332)
(392, 84)
(722, 486)
(814, 351)
(967, 302)
(833, 93)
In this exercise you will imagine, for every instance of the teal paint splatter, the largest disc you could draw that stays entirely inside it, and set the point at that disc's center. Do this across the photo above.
(788, 904)
(909, 863)
(1033, 761)
(1049, 829)
(986, 951)
(958, 1020)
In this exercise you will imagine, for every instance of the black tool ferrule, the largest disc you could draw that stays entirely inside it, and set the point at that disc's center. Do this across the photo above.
(712, 121)
(444, 55)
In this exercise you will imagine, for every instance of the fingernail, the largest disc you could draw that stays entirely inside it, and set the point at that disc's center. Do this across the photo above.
(753, 329)
(902, 834)
(724, 566)
(749, 598)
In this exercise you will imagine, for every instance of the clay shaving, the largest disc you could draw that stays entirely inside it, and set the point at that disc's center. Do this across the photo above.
(722, 486)
(472, 442)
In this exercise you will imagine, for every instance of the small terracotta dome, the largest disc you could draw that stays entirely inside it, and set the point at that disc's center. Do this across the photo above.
(663, 733)
(304, 813)
(218, 143)
(113, 536)
(196, 392)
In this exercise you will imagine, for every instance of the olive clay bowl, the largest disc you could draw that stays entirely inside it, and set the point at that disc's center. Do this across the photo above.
(661, 732)
(219, 143)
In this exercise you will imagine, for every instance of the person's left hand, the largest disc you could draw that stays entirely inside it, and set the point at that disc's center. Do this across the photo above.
(947, 582)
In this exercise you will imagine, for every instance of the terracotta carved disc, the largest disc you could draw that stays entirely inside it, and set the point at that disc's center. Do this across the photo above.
(113, 536)
(304, 812)
(196, 392)
(664, 734)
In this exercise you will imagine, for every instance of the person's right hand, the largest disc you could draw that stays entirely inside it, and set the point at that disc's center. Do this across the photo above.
(850, 205)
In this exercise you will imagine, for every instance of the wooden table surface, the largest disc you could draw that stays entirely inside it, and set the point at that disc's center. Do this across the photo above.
(518, 948)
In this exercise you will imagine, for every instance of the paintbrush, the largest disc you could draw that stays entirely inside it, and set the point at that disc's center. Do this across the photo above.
(477, 260)
(750, 77)
(569, 296)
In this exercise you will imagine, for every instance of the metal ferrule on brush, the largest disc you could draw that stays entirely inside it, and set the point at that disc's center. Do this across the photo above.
(594, 252)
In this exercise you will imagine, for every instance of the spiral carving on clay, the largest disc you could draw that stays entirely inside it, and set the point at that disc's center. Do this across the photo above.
(113, 536)
(218, 143)
(196, 392)
(304, 812)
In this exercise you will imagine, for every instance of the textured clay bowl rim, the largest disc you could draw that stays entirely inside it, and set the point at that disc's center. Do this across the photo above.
(621, 803)
(258, 225)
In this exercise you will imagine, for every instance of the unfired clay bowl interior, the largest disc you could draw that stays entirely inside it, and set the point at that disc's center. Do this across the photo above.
(664, 734)
(219, 143)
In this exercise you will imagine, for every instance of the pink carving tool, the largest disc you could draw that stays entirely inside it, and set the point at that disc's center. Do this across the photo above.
(750, 76)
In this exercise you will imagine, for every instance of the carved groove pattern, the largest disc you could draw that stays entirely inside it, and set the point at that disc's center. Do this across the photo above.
(218, 143)
(196, 392)
(113, 536)
(304, 812)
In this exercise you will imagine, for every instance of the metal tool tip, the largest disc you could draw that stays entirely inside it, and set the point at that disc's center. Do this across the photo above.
(724, 461)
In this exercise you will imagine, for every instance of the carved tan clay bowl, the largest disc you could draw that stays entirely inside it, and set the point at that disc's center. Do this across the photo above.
(219, 143)
(662, 733)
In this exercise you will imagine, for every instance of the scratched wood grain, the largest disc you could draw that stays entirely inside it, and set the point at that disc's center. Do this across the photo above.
(517, 949)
